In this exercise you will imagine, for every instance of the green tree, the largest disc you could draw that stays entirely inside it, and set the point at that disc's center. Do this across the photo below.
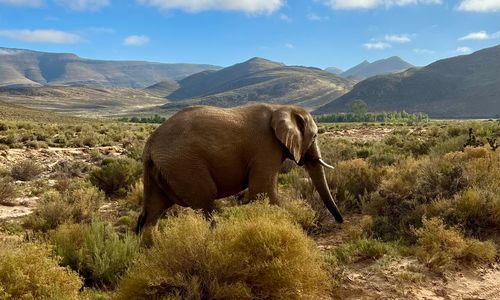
(359, 107)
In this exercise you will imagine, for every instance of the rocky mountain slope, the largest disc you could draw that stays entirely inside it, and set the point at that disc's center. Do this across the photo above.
(259, 80)
(465, 86)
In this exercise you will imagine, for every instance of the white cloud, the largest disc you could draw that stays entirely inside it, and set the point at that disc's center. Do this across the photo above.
(395, 38)
(84, 5)
(136, 40)
(423, 51)
(464, 50)
(317, 18)
(289, 45)
(247, 6)
(480, 5)
(367, 4)
(42, 36)
(29, 3)
(480, 35)
(285, 18)
(377, 46)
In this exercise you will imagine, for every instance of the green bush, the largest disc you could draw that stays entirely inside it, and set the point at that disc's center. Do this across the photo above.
(254, 252)
(95, 251)
(28, 271)
(78, 204)
(115, 176)
(362, 249)
(26, 170)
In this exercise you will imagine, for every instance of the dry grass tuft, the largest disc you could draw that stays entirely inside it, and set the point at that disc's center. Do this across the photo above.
(255, 251)
(28, 271)
(441, 248)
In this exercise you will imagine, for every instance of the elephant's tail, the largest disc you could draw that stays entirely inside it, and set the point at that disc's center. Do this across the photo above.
(147, 181)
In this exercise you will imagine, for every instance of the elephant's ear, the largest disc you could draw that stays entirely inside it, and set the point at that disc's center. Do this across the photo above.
(287, 131)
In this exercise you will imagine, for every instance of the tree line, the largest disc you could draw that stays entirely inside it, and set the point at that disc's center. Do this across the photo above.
(359, 113)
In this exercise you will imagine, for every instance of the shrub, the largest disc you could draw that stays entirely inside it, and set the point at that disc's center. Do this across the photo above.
(136, 194)
(7, 191)
(362, 249)
(95, 251)
(78, 204)
(115, 176)
(301, 188)
(300, 211)
(439, 177)
(52, 211)
(440, 247)
(254, 252)
(351, 181)
(26, 170)
(400, 201)
(67, 169)
(28, 272)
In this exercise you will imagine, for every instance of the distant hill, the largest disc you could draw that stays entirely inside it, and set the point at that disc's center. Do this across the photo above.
(21, 68)
(83, 100)
(465, 86)
(383, 66)
(13, 112)
(163, 88)
(260, 80)
(334, 70)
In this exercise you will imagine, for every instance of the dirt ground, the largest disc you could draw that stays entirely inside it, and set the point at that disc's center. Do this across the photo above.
(364, 134)
(406, 278)
(47, 158)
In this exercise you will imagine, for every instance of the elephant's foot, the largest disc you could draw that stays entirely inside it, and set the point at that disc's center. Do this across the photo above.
(147, 234)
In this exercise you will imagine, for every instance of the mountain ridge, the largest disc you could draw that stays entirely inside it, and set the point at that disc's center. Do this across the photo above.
(24, 68)
(462, 86)
(259, 79)
(366, 69)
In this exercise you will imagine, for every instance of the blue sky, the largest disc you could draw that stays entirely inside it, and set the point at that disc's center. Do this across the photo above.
(319, 33)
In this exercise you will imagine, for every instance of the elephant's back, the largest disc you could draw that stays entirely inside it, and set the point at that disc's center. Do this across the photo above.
(199, 129)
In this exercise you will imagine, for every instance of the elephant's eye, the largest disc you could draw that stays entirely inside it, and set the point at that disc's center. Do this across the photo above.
(315, 135)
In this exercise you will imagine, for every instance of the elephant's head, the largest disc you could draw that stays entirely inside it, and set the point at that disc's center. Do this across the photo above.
(297, 131)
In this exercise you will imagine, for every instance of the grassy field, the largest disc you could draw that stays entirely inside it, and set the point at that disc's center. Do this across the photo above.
(422, 218)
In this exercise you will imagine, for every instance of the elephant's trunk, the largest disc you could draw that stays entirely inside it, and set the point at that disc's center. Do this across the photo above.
(318, 178)
(314, 166)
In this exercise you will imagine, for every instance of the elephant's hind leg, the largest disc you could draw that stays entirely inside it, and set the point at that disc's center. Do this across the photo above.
(155, 204)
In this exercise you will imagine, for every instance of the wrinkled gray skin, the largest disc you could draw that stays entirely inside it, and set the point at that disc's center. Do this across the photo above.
(205, 153)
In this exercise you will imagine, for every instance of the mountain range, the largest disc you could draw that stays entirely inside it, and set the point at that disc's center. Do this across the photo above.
(465, 86)
(21, 68)
(259, 80)
(366, 69)
(334, 70)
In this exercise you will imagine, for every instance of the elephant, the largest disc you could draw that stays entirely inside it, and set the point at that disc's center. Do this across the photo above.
(204, 153)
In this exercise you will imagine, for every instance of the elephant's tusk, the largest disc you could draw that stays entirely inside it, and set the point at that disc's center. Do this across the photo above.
(324, 164)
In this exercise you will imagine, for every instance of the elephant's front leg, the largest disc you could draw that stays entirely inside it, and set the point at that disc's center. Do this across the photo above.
(262, 183)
